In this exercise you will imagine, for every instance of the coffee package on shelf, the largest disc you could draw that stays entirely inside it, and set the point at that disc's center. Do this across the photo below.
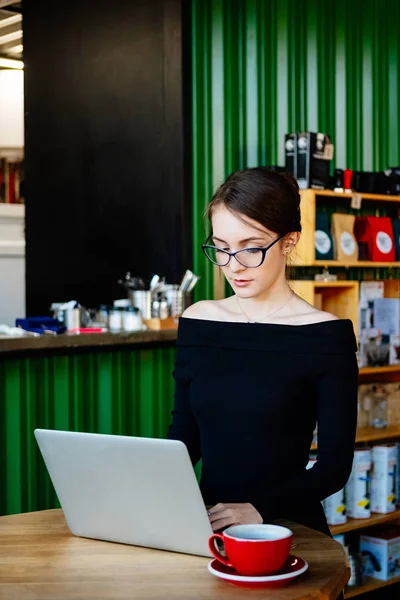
(396, 236)
(291, 153)
(393, 402)
(346, 248)
(383, 478)
(358, 486)
(381, 552)
(369, 291)
(335, 508)
(375, 239)
(394, 352)
(314, 155)
(387, 315)
(323, 238)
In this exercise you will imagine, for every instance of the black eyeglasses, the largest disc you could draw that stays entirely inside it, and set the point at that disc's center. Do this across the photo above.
(248, 257)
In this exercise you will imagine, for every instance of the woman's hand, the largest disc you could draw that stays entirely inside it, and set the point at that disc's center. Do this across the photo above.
(225, 515)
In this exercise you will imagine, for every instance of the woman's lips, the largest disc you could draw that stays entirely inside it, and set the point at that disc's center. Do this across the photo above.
(242, 282)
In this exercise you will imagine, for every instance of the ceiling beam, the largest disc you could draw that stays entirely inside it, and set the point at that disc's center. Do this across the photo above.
(9, 18)
(13, 47)
(4, 3)
(6, 28)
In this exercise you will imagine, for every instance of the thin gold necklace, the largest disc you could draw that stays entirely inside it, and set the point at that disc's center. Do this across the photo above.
(268, 315)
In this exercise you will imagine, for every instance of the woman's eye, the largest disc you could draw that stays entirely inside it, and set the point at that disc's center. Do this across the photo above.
(253, 250)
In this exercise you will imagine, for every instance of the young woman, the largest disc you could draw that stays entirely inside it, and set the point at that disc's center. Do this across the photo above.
(256, 371)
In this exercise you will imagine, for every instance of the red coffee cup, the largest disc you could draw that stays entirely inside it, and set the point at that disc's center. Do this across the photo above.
(253, 549)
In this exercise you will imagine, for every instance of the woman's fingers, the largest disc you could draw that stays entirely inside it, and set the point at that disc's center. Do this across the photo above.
(223, 524)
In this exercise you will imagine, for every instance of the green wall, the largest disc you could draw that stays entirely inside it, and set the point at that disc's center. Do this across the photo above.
(128, 392)
(262, 68)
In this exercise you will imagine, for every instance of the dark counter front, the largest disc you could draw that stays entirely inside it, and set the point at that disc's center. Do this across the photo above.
(100, 383)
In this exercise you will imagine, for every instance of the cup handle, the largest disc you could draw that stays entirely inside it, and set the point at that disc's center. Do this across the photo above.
(217, 553)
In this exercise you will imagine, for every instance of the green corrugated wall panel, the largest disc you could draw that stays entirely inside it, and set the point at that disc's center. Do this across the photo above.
(124, 392)
(261, 68)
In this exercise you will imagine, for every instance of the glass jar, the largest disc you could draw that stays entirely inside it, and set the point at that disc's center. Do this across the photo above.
(379, 408)
(115, 319)
(131, 319)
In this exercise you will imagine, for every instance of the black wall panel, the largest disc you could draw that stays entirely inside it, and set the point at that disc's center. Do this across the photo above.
(106, 186)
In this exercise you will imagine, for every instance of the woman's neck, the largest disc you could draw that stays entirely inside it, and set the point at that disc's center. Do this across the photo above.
(268, 301)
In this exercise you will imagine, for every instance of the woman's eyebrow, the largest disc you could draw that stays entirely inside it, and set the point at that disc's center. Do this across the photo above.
(250, 239)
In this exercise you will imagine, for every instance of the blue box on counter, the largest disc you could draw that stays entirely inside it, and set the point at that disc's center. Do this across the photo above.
(40, 324)
(387, 315)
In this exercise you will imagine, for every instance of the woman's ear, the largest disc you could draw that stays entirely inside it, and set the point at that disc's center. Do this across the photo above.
(290, 241)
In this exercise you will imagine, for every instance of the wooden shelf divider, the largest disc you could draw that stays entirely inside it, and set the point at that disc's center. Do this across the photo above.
(370, 434)
(379, 370)
(354, 524)
(365, 196)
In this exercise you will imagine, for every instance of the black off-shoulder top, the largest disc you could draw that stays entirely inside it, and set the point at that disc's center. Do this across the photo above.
(247, 399)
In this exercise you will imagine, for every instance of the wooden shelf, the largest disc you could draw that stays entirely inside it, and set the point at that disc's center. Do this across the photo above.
(379, 370)
(346, 265)
(370, 434)
(356, 263)
(370, 585)
(342, 283)
(373, 197)
(375, 519)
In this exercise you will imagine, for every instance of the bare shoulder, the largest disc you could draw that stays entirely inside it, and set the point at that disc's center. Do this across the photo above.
(306, 313)
(211, 310)
(205, 309)
(319, 316)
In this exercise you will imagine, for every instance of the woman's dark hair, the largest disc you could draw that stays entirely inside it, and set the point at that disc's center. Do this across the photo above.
(268, 197)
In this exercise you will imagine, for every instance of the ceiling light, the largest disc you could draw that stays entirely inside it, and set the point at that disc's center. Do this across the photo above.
(11, 63)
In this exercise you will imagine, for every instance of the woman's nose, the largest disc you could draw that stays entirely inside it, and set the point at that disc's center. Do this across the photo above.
(235, 266)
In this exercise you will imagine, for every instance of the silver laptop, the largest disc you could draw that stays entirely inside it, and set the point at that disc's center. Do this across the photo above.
(131, 490)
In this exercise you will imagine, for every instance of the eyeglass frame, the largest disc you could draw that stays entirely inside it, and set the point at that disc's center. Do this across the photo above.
(233, 254)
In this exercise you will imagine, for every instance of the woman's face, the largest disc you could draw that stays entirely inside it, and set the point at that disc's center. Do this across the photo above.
(231, 233)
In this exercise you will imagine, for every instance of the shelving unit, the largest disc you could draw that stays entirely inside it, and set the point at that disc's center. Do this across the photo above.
(305, 250)
(341, 298)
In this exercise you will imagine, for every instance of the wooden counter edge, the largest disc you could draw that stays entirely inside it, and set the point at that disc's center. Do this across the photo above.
(85, 340)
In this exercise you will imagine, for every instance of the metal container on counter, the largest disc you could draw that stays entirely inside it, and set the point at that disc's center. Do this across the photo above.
(178, 301)
(142, 299)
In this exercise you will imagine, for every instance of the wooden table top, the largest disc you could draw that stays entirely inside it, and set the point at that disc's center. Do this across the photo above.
(41, 560)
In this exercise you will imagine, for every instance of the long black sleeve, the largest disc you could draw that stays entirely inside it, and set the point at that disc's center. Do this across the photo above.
(337, 421)
(184, 427)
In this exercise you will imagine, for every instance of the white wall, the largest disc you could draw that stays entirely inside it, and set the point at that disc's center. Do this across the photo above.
(12, 263)
(11, 108)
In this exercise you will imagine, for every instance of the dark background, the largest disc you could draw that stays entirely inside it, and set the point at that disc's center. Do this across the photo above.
(106, 185)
